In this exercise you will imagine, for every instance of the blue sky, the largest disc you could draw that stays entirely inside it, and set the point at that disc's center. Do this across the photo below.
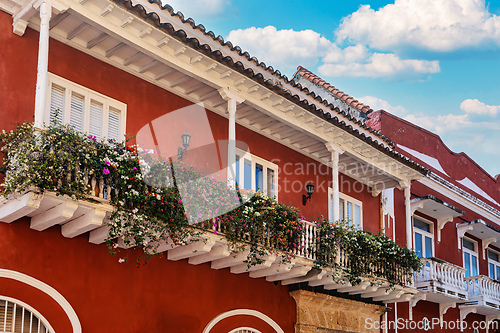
(433, 62)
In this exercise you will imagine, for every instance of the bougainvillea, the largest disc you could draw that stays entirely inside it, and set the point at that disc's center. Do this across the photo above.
(156, 199)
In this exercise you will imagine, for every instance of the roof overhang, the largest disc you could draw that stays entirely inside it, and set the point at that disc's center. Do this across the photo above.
(436, 208)
(488, 233)
(173, 54)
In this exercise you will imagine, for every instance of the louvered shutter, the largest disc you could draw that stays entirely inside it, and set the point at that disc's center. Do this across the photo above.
(16, 318)
(77, 111)
(114, 124)
(96, 118)
(57, 99)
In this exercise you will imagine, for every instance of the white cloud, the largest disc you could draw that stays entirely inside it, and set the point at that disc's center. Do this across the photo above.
(440, 124)
(378, 65)
(380, 104)
(283, 49)
(199, 9)
(473, 106)
(286, 49)
(442, 25)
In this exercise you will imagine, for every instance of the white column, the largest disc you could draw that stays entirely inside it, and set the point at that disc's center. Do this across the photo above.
(232, 100)
(406, 186)
(335, 150)
(43, 63)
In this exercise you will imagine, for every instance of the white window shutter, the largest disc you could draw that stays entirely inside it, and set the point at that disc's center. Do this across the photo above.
(77, 111)
(57, 99)
(95, 122)
(114, 124)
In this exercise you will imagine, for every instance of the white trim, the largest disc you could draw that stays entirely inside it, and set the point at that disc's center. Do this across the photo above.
(35, 313)
(249, 329)
(493, 262)
(240, 312)
(265, 164)
(424, 234)
(470, 253)
(346, 199)
(461, 196)
(89, 95)
(54, 294)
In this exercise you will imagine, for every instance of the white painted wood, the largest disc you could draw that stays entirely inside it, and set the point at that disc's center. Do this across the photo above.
(217, 252)
(234, 259)
(394, 294)
(89, 221)
(275, 268)
(43, 63)
(297, 271)
(15, 208)
(58, 214)
(232, 99)
(195, 248)
(242, 268)
(99, 235)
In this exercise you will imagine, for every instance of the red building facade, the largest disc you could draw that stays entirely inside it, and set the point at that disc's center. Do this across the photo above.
(154, 75)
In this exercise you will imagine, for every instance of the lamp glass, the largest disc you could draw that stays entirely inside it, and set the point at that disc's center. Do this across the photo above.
(309, 188)
(185, 139)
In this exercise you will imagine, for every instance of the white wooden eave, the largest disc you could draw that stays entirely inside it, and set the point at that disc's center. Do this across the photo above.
(116, 36)
(82, 218)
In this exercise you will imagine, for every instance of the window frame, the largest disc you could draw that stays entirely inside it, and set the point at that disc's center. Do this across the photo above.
(346, 198)
(242, 155)
(424, 234)
(89, 96)
(471, 253)
(495, 263)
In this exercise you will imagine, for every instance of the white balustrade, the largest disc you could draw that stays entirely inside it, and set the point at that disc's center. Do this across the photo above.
(434, 269)
(481, 285)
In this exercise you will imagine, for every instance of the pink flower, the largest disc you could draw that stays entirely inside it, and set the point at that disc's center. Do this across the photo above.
(105, 171)
(107, 162)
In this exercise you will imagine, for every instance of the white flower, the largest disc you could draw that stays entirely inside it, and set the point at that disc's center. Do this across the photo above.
(121, 260)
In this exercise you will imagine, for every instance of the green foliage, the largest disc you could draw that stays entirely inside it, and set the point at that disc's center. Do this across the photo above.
(360, 254)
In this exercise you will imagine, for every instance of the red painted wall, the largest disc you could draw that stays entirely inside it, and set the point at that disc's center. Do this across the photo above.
(162, 296)
(456, 165)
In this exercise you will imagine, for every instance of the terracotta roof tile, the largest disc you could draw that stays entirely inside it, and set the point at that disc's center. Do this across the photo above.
(340, 94)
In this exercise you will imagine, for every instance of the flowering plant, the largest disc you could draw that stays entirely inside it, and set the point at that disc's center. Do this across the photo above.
(155, 198)
(357, 253)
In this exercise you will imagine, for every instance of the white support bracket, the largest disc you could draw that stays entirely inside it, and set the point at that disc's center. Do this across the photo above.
(26, 12)
(461, 230)
(413, 302)
(416, 205)
(441, 223)
(376, 192)
(443, 307)
(486, 242)
(463, 313)
(489, 319)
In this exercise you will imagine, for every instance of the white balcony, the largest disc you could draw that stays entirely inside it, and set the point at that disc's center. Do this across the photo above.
(78, 217)
(441, 281)
(483, 296)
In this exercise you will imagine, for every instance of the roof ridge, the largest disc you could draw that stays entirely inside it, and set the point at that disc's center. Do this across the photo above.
(307, 74)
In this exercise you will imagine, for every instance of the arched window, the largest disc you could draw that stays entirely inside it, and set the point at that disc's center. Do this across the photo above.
(244, 330)
(18, 317)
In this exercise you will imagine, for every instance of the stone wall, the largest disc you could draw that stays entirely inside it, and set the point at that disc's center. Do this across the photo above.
(328, 314)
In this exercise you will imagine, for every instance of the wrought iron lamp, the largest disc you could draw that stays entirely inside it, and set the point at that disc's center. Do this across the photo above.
(185, 142)
(309, 190)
